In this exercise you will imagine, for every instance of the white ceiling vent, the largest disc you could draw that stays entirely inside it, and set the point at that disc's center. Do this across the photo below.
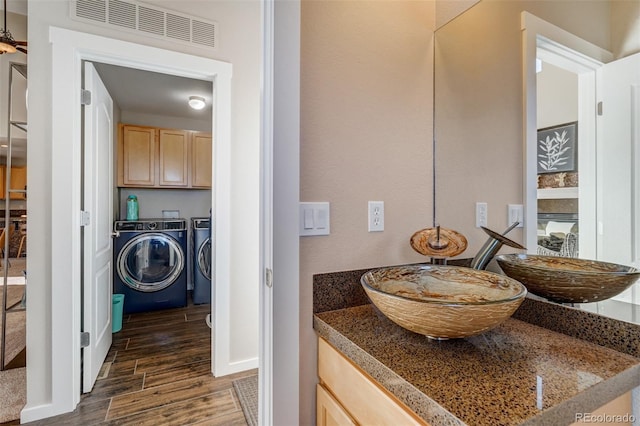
(146, 19)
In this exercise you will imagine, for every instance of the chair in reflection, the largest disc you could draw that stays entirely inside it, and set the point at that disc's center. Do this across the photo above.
(23, 238)
(568, 247)
(3, 237)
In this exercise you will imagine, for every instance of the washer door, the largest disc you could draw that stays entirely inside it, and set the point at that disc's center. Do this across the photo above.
(150, 262)
(204, 258)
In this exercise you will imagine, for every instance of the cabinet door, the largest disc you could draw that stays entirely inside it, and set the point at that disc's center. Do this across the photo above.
(18, 181)
(365, 399)
(3, 175)
(201, 160)
(174, 158)
(328, 411)
(138, 156)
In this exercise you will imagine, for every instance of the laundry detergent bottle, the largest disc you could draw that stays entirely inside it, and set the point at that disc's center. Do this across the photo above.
(132, 207)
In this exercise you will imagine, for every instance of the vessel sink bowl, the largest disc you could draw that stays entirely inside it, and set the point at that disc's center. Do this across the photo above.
(568, 280)
(443, 302)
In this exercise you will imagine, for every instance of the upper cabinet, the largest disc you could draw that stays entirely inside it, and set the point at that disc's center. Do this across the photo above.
(151, 157)
(18, 183)
(136, 156)
(174, 158)
(201, 160)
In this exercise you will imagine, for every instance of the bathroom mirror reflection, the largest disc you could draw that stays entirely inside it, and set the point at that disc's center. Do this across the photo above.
(489, 108)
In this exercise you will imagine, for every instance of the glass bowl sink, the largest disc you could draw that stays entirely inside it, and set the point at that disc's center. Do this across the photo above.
(568, 280)
(443, 302)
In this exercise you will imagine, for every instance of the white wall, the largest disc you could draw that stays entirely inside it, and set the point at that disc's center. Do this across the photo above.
(166, 122)
(239, 43)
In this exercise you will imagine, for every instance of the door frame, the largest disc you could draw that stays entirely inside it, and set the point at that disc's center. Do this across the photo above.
(69, 49)
(560, 46)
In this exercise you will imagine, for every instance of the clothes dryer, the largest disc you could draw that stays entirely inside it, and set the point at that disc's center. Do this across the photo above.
(201, 260)
(149, 263)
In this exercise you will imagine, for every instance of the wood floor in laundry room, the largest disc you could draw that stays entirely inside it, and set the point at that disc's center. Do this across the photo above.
(158, 373)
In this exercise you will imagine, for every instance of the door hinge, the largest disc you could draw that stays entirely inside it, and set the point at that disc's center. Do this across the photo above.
(85, 218)
(85, 97)
(600, 108)
(269, 277)
(85, 339)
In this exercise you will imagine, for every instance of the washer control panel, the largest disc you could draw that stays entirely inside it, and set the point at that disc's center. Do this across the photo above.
(150, 225)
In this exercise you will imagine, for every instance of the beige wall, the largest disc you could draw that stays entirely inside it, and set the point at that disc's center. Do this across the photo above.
(557, 96)
(479, 104)
(625, 27)
(366, 115)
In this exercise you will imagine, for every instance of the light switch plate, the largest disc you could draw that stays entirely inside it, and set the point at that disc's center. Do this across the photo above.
(515, 213)
(314, 219)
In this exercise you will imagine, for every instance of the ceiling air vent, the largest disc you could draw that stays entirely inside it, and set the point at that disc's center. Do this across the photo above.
(146, 19)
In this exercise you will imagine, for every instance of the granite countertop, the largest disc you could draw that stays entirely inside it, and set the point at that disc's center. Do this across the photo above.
(517, 373)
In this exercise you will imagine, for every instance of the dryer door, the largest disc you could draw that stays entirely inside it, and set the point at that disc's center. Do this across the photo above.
(150, 262)
(204, 258)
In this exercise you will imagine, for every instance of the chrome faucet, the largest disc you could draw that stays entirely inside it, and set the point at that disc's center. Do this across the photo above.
(491, 247)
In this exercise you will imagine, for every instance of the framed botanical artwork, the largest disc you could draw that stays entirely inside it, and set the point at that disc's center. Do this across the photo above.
(558, 148)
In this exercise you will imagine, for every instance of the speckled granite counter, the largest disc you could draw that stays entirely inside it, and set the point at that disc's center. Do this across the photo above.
(517, 373)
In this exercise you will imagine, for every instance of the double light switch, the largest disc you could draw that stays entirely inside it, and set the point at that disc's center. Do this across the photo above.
(314, 219)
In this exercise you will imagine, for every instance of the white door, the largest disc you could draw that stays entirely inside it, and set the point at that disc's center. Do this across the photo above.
(97, 242)
(619, 161)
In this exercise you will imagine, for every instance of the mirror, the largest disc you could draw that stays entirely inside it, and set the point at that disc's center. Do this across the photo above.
(480, 127)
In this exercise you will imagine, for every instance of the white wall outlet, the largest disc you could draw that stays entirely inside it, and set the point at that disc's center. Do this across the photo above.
(376, 216)
(482, 213)
(314, 219)
(515, 213)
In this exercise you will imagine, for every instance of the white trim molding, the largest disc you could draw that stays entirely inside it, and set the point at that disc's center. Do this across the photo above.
(564, 49)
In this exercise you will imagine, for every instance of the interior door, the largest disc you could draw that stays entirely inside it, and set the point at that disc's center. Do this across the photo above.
(97, 242)
(619, 161)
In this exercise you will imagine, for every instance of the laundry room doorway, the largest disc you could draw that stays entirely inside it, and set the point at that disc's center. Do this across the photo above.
(70, 48)
(147, 101)
(149, 148)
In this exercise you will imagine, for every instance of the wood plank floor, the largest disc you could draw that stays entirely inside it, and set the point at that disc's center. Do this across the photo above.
(158, 373)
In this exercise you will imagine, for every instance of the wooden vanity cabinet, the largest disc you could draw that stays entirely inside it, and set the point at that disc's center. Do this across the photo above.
(150, 157)
(329, 411)
(348, 395)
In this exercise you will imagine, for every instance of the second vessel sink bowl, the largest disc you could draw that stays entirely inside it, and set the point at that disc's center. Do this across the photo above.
(443, 302)
(568, 280)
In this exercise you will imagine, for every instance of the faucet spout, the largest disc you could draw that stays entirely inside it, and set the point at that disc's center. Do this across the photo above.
(492, 246)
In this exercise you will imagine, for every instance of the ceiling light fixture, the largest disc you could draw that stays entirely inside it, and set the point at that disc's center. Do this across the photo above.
(196, 102)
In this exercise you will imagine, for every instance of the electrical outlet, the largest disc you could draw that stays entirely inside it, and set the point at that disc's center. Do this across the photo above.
(515, 213)
(481, 214)
(376, 216)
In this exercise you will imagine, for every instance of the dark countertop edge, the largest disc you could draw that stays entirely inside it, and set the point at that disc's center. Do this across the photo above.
(433, 413)
(589, 400)
(426, 408)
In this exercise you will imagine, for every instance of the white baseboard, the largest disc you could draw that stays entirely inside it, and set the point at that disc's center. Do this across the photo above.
(238, 367)
(39, 412)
